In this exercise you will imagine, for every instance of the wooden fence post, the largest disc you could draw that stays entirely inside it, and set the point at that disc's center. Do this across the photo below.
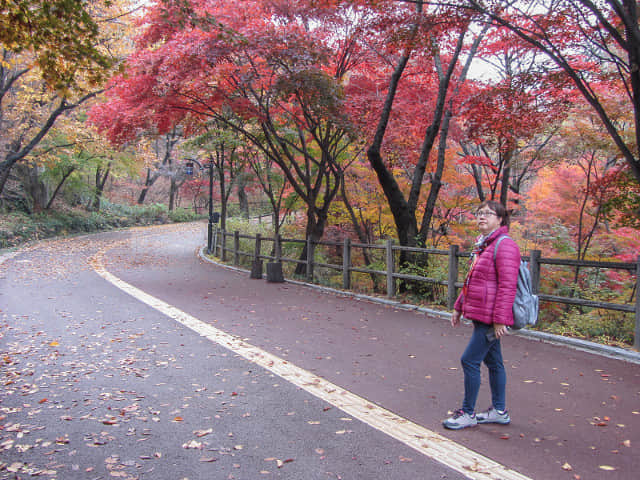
(534, 265)
(223, 247)
(391, 281)
(236, 248)
(636, 337)
(257, 252)
(346, 264)
(310, 255)
(453, 276)
(215, 241)
(256, 268)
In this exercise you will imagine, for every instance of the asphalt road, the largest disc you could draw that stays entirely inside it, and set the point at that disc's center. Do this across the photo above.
(218, 376)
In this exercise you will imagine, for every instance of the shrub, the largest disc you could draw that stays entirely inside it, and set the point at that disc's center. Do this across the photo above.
(18, 227)
(183, 215)
(603, 326)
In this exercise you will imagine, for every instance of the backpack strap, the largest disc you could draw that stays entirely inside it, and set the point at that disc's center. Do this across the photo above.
(495, 250)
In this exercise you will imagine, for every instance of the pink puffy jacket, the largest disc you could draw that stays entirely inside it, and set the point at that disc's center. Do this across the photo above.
(491, 286)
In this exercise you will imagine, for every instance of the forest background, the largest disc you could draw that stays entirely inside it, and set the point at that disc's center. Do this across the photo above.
(370, 119)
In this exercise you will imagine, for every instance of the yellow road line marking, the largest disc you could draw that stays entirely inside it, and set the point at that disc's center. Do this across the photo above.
(423, 440)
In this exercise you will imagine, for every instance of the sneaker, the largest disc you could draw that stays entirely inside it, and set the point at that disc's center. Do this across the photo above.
(459, 420)
(493, 416)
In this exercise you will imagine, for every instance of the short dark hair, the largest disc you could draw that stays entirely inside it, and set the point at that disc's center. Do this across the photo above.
(498, 208)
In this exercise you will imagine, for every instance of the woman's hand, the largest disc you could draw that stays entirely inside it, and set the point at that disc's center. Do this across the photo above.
(501, 330)
(455, 318)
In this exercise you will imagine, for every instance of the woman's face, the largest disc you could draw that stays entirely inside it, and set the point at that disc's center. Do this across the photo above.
(487, 220)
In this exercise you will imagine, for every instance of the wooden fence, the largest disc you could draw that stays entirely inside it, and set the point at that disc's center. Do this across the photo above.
(390, 272)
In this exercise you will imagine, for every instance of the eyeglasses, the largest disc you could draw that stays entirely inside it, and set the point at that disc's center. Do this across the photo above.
(485, 213)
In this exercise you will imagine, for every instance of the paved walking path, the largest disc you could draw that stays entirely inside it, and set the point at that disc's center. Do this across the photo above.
(575, 414)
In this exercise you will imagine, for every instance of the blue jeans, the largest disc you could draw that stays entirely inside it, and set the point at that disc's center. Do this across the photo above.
(478, 350)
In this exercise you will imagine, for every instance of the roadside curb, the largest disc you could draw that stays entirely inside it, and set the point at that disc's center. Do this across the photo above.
(615, 353)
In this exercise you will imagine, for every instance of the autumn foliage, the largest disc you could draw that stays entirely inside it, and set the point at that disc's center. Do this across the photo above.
(394, 119)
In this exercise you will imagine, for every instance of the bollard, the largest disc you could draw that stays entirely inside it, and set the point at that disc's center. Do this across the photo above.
(274, 269)
(274, 272)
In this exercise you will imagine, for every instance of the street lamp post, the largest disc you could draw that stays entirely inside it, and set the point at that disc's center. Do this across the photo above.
(214, 217)
(211, 221)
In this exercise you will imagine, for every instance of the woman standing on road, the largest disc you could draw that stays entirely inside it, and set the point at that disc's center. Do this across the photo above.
(487, 300)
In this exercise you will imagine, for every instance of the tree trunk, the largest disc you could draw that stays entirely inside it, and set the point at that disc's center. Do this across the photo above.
(101, 180)
(5, 170)
(436, 180)
(18, 153)
(314, 231)
(506, 177)
(404, 211)
(476, 173)
(55, 192)
(173, 190)
(222, 185)
(242, 195)
(34, 187)
(148, 183)
(406, 225)
(361, 236)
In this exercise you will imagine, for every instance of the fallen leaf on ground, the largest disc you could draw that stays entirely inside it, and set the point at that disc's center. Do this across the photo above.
(280, 463)
(192, 444)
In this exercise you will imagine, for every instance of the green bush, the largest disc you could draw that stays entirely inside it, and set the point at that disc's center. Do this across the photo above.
(183, 215)
(599, 325)
(18, 227)
(128, 215)
(246, 227)
(15, 228)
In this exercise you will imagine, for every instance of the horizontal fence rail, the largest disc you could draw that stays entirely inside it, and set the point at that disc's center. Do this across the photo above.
(386, 267)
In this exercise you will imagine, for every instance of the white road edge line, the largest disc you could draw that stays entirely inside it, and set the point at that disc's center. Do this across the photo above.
(429, 443)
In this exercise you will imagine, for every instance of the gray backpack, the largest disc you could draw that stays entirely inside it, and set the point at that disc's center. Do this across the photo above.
(525, 306)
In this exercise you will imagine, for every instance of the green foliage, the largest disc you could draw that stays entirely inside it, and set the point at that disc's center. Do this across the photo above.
(602, 326)
(362, 282)
(62, 35)
(431, 266)
(247, 228)
(17, 228)
(130, 215)
(623, 207)
(183, 215)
